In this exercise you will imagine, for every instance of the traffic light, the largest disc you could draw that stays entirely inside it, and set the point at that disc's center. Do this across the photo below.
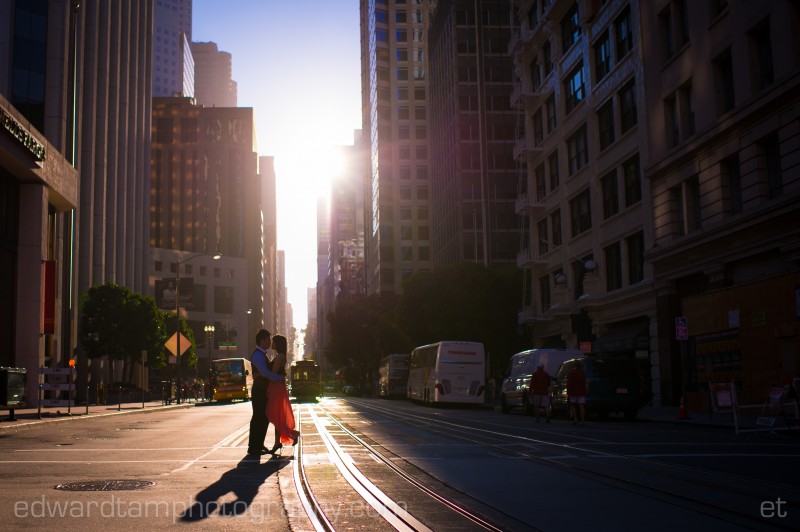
(72, 362)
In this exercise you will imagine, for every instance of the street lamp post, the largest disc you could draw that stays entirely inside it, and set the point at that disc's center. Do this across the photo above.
(178, 263)
(209, 329)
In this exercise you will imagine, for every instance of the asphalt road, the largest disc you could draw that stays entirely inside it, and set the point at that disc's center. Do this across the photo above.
(187, 467)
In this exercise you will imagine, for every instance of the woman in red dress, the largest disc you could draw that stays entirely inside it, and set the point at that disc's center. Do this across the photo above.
(279, 409)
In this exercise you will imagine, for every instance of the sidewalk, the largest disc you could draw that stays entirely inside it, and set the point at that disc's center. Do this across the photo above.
(671, 414)
(29, 416)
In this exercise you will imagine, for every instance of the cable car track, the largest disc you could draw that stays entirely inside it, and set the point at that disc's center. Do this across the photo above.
(396, 516)
(628, 472)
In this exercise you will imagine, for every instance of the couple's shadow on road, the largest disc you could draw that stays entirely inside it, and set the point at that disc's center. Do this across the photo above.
(243, 481)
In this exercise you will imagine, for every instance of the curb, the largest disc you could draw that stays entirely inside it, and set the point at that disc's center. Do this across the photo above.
(27, 423)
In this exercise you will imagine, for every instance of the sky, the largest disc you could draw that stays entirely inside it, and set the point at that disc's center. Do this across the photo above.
(297, 64)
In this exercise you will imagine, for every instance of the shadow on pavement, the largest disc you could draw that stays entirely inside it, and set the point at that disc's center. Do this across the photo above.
(243, 481)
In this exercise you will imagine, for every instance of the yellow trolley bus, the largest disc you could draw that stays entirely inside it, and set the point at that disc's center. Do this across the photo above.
(231, 378)
(305, 376)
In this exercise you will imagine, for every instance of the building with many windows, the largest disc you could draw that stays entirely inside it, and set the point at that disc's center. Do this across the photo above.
(661, 140)
(581, 86)
(722, 90)
(68, 227)
(173, 64)
(474, 176)
(395, 123)
(213, 72)
(206, 198)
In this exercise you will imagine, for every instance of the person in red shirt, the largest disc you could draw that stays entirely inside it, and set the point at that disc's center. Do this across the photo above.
(539, 387)
(576, 392)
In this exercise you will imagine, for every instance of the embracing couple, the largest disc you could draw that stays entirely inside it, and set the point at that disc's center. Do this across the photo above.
(270, 397)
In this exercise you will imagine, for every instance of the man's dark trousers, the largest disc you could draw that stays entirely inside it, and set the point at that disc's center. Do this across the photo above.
(259, 421)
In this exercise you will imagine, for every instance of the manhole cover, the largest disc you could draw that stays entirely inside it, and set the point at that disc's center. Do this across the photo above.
(106, 485)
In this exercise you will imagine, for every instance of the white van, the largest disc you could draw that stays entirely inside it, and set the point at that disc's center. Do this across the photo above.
(521, 366)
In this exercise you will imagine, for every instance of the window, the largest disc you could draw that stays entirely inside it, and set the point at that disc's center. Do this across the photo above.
(421, 132)
(632, 181)
(574, 88)
(404, 172)
(673, 25)
(580, 212)
(536, 76)
(605, 123)
(422, 213)
(547, 58)
(402, 94)
(404, 132)
(555, 223)
(686, 107)
(552, 162)
(423, 233)
(610, 194)
(405, 152)
(671, 121)
(541, 230)
(402, 112)
(577, 150)
(422, 152)
(570, 29)
(723, 80)
(635, 245)
(732, 184)
(401, 36)
(380, 16)
(550, 106)
(613, 266)
(405, 213)
(538, 133)
(624, 34)
(401, 54)
(402, 74)
(602, 56)
(400, 16)
(544, 292)
(627, 105)
(761, 50)
(420, 113)
(424, 252)
(541, 186)
(770, 150)
(692, 204)
(405, 193)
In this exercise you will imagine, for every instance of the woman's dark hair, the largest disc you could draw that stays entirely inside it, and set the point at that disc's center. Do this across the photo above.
(279, 342)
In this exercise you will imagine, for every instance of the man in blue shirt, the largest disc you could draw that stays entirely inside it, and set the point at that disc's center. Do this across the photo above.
(261, 374)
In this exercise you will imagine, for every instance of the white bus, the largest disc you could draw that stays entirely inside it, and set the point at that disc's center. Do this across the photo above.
(447, 372)
(393, 376)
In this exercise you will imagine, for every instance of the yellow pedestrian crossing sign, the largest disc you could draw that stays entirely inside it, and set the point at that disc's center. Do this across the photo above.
(172, 344)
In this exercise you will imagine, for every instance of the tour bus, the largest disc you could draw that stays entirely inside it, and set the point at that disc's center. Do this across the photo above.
(393, 376)
(305, 380)
(447, 372)
(231, 378)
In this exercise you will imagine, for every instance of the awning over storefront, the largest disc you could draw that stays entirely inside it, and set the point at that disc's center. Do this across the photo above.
(624, 336)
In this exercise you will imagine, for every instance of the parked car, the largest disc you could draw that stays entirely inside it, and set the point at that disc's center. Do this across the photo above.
(614, 384)
(514, 391)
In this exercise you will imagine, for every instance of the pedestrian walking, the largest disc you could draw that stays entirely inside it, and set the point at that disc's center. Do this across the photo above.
(576, 393)
(540, 388)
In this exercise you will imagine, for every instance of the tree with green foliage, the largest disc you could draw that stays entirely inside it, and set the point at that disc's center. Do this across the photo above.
(120, 324)
(462, 301)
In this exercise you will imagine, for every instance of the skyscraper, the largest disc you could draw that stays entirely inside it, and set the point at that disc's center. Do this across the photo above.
(213, 72)
(173, 65)
(395, 122)
(93, 110)
(474, 176)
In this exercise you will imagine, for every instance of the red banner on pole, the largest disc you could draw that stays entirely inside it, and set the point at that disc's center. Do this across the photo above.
(49, 300)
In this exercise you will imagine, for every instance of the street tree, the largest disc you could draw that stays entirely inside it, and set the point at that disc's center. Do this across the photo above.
(120, 324)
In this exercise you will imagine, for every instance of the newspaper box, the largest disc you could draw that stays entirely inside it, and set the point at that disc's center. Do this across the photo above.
(12, 387)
